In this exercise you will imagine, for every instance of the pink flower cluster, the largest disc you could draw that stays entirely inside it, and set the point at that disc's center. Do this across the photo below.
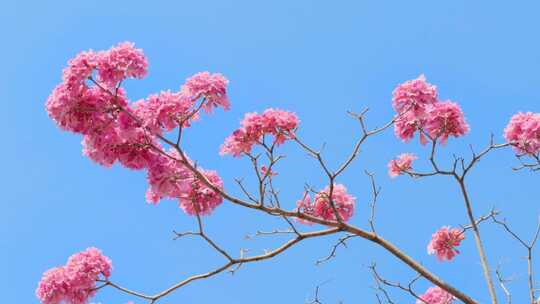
(444, 242)
(116, 131)
(74, 282)
(278, 123)
(419, 109)
(212, 87)
(401, 164)
(415, 95)
(435, 295)
(523, 132)
(321, 207)
(445, 119)
(170, 178)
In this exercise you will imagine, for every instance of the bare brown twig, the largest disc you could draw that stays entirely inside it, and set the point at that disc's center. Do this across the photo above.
(379, 280)
(529, 246)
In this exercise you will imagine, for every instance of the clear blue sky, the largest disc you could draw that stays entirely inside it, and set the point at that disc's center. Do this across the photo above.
(312, 57)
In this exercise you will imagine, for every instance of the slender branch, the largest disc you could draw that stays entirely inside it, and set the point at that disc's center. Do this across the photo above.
(375, 192)
(502, 283)
(242, 261)
(529, 247)
(408, 288)
(342, 241)
(125, 290)
(478, 241)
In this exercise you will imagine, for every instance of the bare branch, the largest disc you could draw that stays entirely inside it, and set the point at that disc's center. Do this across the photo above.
(502, 283)
(408, 288)
(342, 241)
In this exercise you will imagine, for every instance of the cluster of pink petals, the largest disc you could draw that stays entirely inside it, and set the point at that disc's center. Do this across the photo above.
(414, 95)
(200, 199)
(419, 110)
(401, 164)
(444, 242)
(211, 87)
(164, 111)
(171, 178)
(523, 132)
(445, 119)
(74, 282)
(116, 130)
(436, 295)
(321, 207)
(121, 62)
(133, 148)
(281, 124)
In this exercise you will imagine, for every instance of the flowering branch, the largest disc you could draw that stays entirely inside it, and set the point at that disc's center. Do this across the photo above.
(90, 101)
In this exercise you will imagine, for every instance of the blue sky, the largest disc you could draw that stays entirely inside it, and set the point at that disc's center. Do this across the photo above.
(311, 57)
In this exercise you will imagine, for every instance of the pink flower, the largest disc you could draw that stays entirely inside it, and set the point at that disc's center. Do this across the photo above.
(322, 208)
(211, 87)
(152, 197)
(134, 151)
(165, 111)
(82, 111)
(53, 287)
(414, 95)
(137, 152)
(407, 124)
(115, 130)
(200, 199)
(523, 132)
(444, 241)
(401, 164)
(74, 282)
(418, 109)
(411, 101)
(278, 123)
(120, 62)
(436, 295)
(100, 146)
(79, 107)
(445, 119)
(170, 178)
(79, 69)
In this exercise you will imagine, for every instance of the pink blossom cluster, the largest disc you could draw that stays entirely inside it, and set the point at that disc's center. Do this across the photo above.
(445, 119)
(523, 132)
(278, 123)
(75, 282)
(116, 130)
(444, 242)
(415, 95)
(321, 206)
(211, 87)
(401, 164)
(170, 178)
(436, 295)
(419, 110)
